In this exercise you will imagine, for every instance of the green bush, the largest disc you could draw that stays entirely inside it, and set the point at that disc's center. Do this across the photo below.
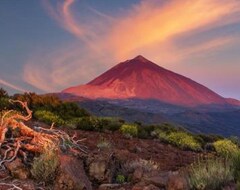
(235, 158)
(3, 93)
(208, 138)
(120, 179)
(235, 140)
(44, 167)
(143, 133)
(163, 136)
(225, 147)
(4, 103)
(103, 144)
(210, 174)
(48, 117)
(131, 130)
(180, 139)
(108, 123)
(87, 123)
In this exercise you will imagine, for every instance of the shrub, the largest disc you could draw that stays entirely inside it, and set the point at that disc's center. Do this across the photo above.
(3, 93)
(131, 130)
(44, 167)
(120, 178)
(235, 140)
(146, 165)
(235, 158)
(87, 123)
(69, 110)
(225, 147)
(48, 117)
(180, 139)
(143, 133)
(163, 137)
(107, 123)
(4, 103)
(209, 138)
(210, 174)
(103, 144)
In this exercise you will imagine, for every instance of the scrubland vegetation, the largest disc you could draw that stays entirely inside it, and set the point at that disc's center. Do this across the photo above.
(208, 173)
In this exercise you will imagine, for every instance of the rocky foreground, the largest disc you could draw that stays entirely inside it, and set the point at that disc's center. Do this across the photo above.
(112, 161)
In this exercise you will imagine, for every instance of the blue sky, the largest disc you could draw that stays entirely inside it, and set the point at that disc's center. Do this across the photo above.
(47, 46)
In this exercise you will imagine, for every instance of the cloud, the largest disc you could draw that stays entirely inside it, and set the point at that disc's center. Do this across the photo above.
(151, 27)
(10, 85)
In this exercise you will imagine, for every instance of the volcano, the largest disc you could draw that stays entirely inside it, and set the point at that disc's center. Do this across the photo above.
(142, 79)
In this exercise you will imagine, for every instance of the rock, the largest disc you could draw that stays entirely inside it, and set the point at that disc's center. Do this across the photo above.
(159, 181)
(145, 187)
(109, 186)
(137, 175)
(177, 182)
(72, 175)
(151, 187)
(4, 174)
(17, 169)
(97, 170)
(231, 186)
(28, 185)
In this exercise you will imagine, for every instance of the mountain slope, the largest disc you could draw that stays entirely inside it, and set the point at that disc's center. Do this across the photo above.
(142, 79)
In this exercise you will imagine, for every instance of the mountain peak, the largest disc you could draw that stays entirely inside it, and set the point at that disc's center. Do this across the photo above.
(141, 59)
(143, 79)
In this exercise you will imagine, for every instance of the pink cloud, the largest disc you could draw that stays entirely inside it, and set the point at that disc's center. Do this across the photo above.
(10, 85)
(148, 28)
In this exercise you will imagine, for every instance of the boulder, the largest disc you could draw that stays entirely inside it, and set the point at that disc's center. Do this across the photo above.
(159, 181)
(137, 175)
(17, 169)
(151, 187)
(98, 170)
(109, 186)
(72, 175)
(142, 186)
(177, 182)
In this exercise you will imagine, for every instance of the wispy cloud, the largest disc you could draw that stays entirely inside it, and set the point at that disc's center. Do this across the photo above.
(10, 85)
(149, 28)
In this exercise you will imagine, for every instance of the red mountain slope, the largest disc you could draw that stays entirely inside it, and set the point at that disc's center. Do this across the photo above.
(140, 78)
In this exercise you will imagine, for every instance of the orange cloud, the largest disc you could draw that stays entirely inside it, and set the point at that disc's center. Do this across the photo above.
(149, 28)
(150, 24)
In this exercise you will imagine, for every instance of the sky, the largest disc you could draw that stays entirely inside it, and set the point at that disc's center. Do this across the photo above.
(49, 45)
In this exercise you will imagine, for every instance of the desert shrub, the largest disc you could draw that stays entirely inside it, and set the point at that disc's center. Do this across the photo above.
(235, 159)
(210, 174)
(143, 133)
(87, 123)
(168, 128)
(225, 147)
(120, 178)
(103, 144)
(208, 138)
(235, 140)
(180, 139)
(97, 124)
(44, 167)
(69, 110)
(4, 103)
(131, 130)
(163, 137)
(108, 123)
(48, 117)
(3, 93)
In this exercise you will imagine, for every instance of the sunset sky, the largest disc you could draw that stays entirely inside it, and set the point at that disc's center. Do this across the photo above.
(49, 45)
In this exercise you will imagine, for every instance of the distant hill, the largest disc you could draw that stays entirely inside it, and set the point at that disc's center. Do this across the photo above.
(139, 90)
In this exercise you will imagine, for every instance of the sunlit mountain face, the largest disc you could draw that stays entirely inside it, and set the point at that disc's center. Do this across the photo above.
(142, 79)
